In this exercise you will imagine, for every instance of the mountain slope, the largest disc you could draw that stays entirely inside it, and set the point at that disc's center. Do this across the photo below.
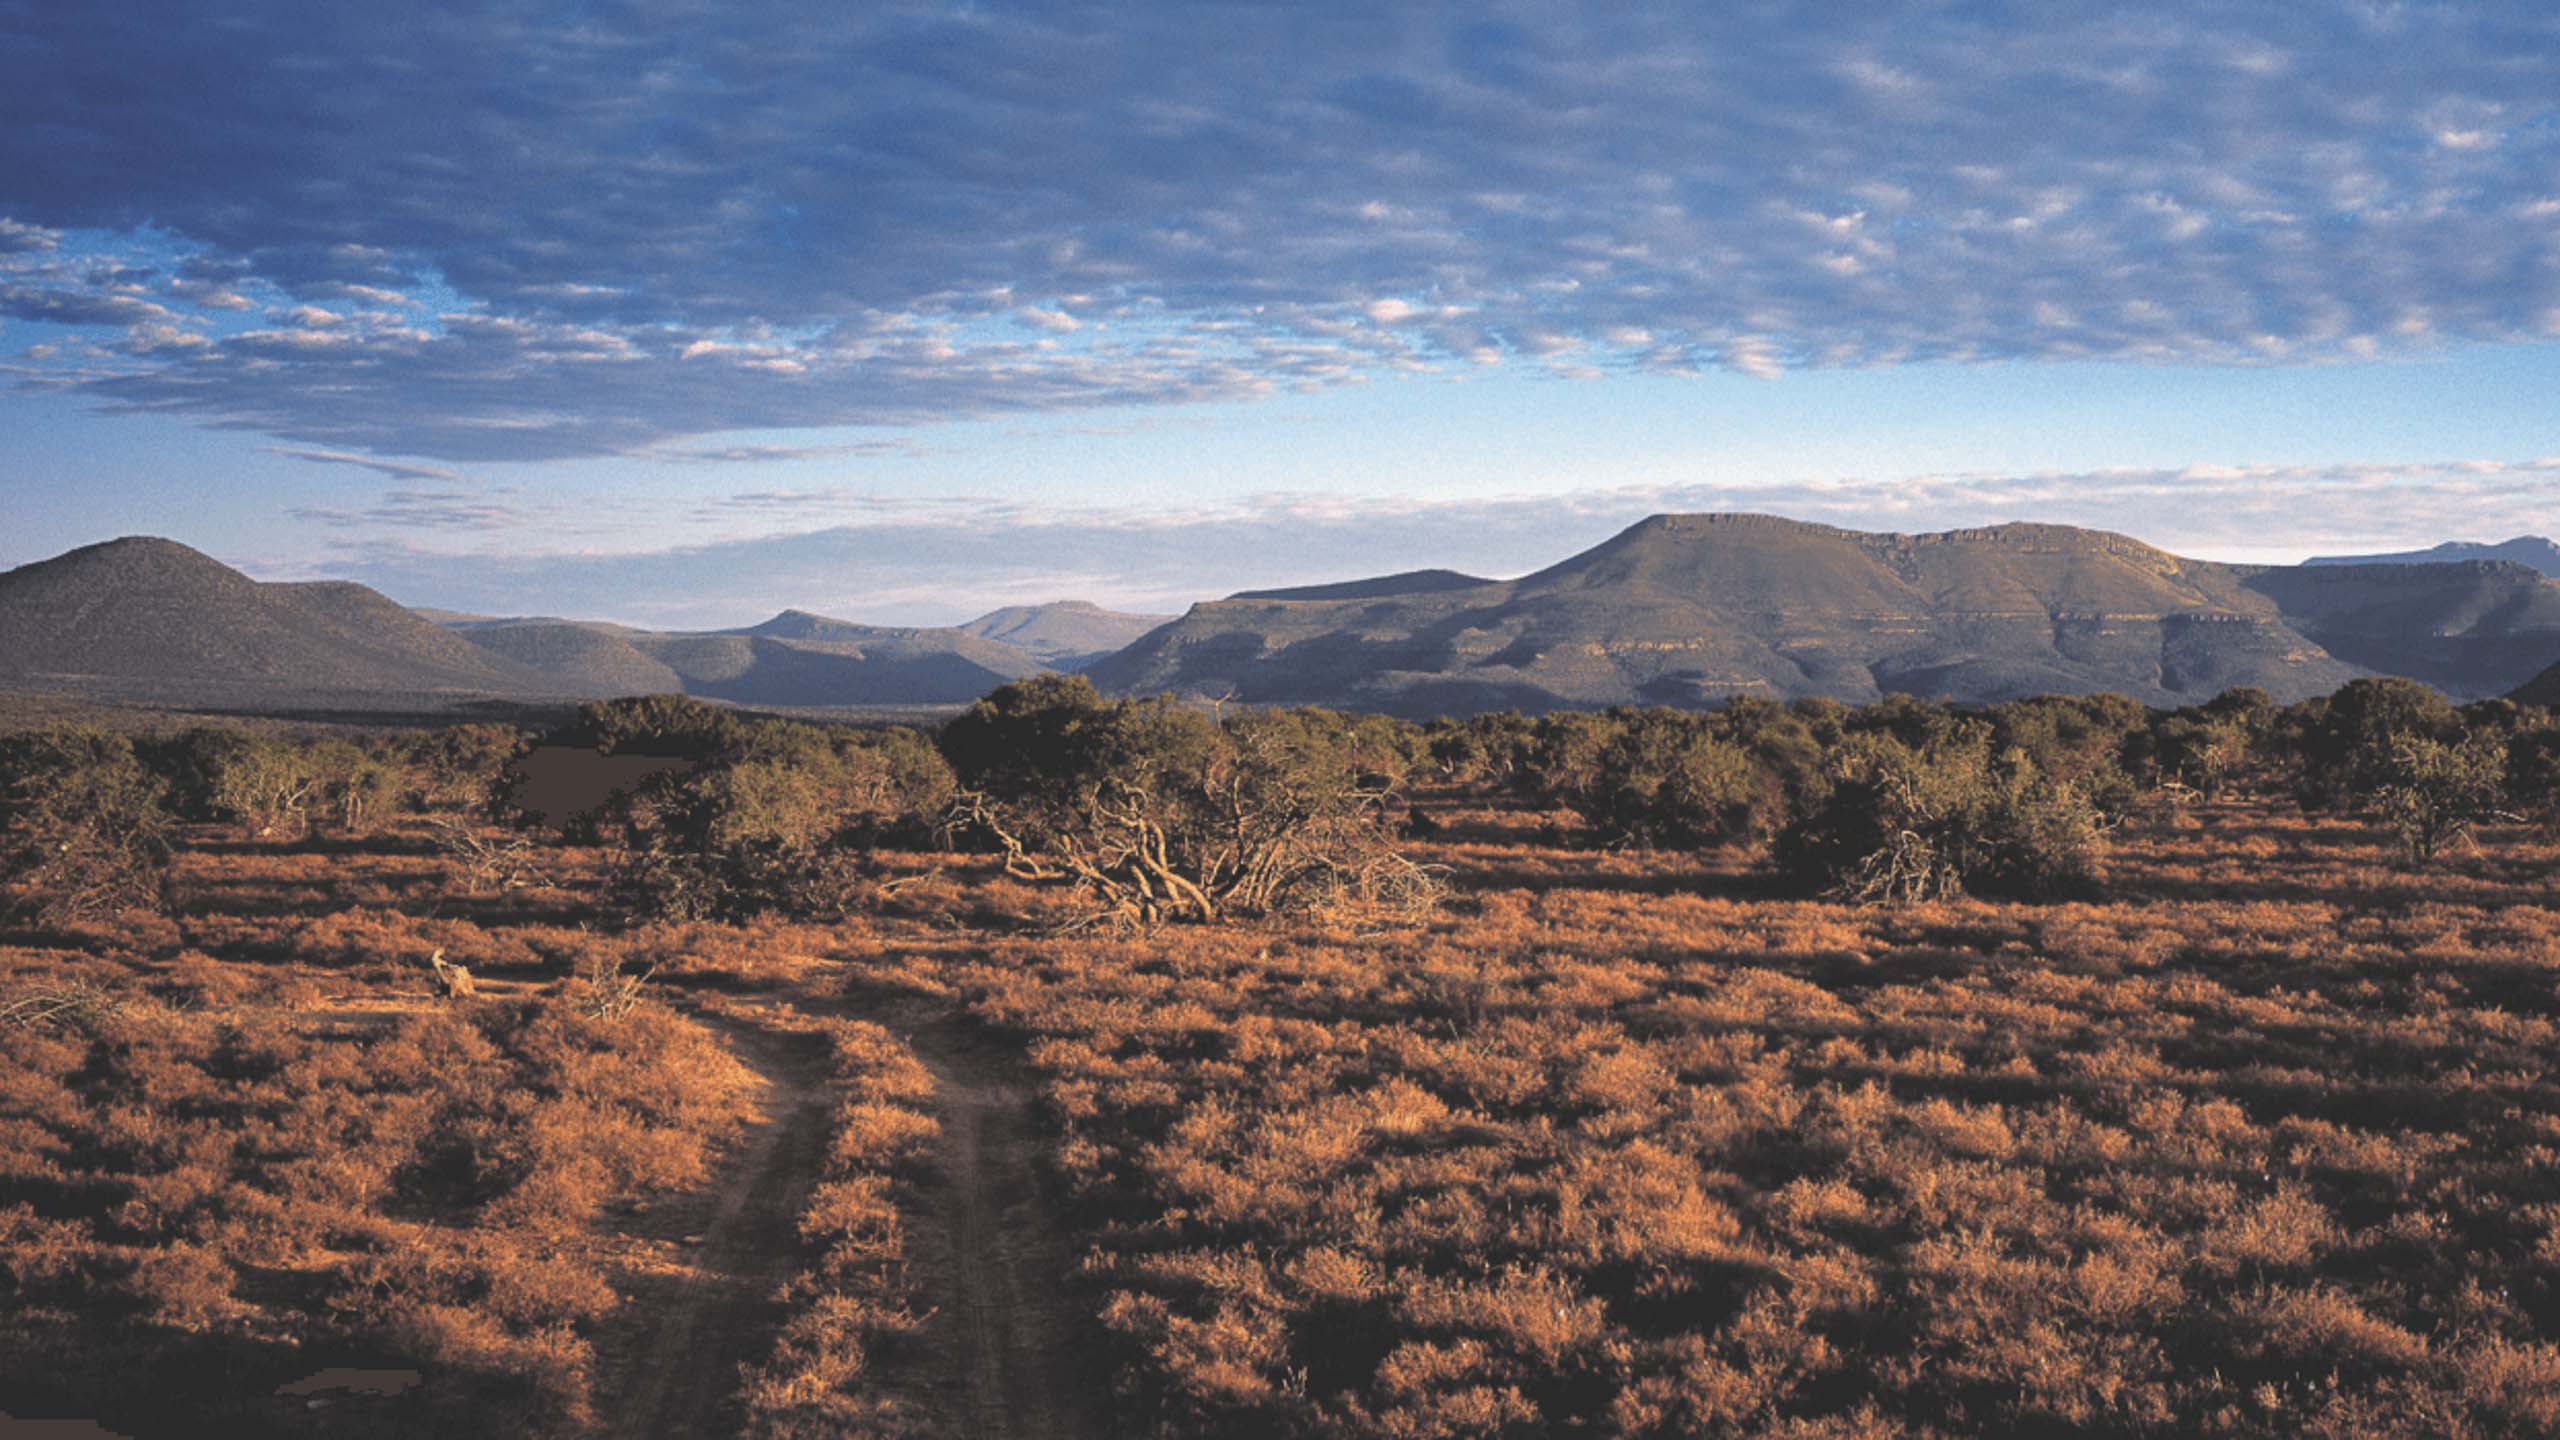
(795, 658)
(1687, 609)
(2532, 551)
(591, 661)
(2471, 629)
(2543, 689)
(1409, 582)
(1063, 634)
(142, 615)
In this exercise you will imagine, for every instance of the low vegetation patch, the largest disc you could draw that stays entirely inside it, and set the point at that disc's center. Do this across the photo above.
(2059, 1067)
(857, 1293)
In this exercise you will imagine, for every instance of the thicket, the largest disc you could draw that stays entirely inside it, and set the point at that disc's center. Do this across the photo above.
(1906, 799)
(768, 817)
(85, 828)
(1154, 811)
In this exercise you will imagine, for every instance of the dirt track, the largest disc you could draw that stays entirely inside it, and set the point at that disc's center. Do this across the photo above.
(1004, 1354)
(1011, 1338)
(718, 1312)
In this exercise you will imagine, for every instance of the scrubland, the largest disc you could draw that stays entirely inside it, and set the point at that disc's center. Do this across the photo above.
(2241, 1120)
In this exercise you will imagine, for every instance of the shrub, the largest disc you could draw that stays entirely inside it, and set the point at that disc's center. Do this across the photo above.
(459, 768)
(1668, 780)
(2342, 746)
(677, 726)
(2434, 793)
(1897, 824)
(84, 828)
(267, 787)
(775, 821)
(1160, 812)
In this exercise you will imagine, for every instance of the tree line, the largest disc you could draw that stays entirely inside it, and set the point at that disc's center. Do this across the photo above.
(1156, 811)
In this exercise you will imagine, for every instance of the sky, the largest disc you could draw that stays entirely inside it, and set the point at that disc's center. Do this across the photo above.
(680, 312)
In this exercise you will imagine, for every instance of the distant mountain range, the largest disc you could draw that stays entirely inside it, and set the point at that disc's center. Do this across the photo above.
(1064, 634)
(2528, 550)
(795, 658)
(1686, 609)
(152, 619)
(1678, 610)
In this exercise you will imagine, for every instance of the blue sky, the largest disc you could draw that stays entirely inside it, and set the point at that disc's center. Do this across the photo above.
(680, 312)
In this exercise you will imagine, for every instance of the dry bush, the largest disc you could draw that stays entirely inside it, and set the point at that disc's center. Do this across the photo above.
(1154, 812)
(414, 1190)
(2223, 1157)
(482, 858)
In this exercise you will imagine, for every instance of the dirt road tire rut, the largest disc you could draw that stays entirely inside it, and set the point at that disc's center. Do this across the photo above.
(721, 1313)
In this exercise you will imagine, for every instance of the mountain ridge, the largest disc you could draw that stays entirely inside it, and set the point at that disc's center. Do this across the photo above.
(1676, 609)
(1688, 609)
(1064, 634)
(2534, 551)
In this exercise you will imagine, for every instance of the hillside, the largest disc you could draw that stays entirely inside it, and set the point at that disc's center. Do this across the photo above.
(2542, 689)
(1687, 609)
(795, 658)
(142, 616)
(2532, 551)
(152, 619)
(1409, 582)
(581, 659)
(2471, 629)
(1063, 634)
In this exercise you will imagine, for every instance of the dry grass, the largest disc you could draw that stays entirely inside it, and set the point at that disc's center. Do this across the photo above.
(2254, 1153)
(1616, 1143)
(856, 1294)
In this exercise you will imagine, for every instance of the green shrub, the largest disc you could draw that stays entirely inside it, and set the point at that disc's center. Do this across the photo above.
(85, 829)
(777, 818)
(1896, 823)
(1160, 812)
(2434, 793)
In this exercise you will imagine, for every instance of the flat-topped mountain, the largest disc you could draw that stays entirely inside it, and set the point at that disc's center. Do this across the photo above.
(1688, 609)
(148, 616)
(1063, 634)
(2532, 551)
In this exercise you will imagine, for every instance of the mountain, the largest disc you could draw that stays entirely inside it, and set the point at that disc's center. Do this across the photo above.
(1063, 634)
(1679, 609)
(795, 658)
(587, 660)
(1687, 609)
(2542, 689)
(2532, 551)
(1409, 582)
(2472, 629)
(144, 617)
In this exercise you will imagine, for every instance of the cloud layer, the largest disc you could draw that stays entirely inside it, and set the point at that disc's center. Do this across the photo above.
(471, 232)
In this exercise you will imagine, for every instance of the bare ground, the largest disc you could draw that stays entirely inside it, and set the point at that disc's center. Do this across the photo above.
(1010, 1343)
